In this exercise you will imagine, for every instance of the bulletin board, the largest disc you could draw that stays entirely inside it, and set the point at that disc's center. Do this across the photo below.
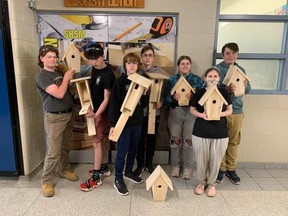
(119, 35)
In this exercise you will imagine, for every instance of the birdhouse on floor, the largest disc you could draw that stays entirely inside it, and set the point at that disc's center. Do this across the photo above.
(84, 94)
(182, 87)
(154, 98)
(213, 102)
(72, 57)
(159, 182)
(236, 76)
(134, 93)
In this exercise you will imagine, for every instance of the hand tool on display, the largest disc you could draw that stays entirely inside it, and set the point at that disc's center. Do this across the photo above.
(160, 26)
(118, 37)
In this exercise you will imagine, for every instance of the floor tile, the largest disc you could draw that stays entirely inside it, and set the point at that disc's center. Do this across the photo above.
(269, 184)
(258, 173)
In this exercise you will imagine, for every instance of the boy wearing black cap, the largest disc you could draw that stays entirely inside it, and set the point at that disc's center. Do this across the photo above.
(102, 79)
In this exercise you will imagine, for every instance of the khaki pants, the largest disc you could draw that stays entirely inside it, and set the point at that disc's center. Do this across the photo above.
(59, 129)
(234, 124)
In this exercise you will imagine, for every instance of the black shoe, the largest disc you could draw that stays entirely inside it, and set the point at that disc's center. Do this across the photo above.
(121, 188)
(150, 168)
(138, 171)
(134, 178)
(234, 178)
(220, 176)
(104, 170)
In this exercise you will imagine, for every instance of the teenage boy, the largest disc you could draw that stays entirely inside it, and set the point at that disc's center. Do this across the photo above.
(229, 164)
(102, 79)
(127, 144)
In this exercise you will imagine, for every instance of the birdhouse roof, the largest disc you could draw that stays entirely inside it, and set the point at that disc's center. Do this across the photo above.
(208, 93)
(71, 48)
(233, 69)
(157, 173)
(140, 80)
(180, 82)
(157, 75)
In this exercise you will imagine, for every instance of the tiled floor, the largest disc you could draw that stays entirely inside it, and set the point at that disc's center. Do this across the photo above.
(262, 192)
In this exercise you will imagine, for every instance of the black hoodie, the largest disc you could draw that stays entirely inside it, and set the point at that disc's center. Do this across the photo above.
(118, 94)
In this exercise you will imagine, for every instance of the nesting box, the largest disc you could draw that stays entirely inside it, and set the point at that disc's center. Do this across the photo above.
(182, 87)
(236, 76)
(72, 57)
(84, 94)
(130, 102)
(213, 102)
(159, 182)
(154, 98)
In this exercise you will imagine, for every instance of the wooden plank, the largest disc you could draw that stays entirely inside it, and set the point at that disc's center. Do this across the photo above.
(91, 126)
(120, 125)
(84, 108)
(151, 118)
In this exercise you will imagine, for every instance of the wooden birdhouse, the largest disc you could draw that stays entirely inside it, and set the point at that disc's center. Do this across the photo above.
(154, 98)
(159, 182)
(84, 94)
(182, 87)
(236, 76)
(130, 102)
(72, 57)
(213, 102)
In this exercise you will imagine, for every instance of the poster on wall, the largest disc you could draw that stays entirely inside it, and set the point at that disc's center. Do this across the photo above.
(118, 35)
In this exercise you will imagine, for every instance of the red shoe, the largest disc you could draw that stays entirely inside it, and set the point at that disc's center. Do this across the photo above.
(90, 184)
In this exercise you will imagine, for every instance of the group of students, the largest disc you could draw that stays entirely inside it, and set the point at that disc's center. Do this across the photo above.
(188, 125)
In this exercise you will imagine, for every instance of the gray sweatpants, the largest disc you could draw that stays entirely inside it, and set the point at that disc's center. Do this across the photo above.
(180, 124)
(209, 154)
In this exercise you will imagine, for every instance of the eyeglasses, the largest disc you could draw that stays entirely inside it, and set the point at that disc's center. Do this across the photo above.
(148, 55)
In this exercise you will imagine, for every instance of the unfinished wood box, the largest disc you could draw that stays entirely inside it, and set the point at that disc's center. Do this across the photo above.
(84, 94)
(154, 98)
(182, 87)
(159, 182)
(236, 76)
(213, 102)
(73, 57)
(135, 91)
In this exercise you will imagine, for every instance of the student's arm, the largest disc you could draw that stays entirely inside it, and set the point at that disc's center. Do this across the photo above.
(60, 91)
(197, 114)
(228, 111)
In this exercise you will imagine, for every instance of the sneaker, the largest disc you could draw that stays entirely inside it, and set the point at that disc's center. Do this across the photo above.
(104, 170)
(48, 190)
(121, 188)
(211, 191)
(134, 178)
(138, 171)
(187, 174)
(69, 175)
(234, 178)
(91, 183)
(175, 171)
(150, 168)
(199, 189)
(220, 176)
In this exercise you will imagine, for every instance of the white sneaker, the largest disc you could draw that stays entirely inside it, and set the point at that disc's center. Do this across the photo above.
(175, 171)
(187, 174)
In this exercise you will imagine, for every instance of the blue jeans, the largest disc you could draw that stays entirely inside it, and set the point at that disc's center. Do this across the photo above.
(127, 145)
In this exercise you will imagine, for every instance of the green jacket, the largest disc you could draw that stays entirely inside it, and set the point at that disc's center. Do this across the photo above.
(237, 102)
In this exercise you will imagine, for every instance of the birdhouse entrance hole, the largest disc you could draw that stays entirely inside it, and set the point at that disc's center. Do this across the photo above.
(73, 56)
(214, 101)
(183, 90)
(136, 86)
(159, 186)
(156, 81)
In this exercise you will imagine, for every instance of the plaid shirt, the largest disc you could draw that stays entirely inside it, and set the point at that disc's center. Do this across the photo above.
(195, 81)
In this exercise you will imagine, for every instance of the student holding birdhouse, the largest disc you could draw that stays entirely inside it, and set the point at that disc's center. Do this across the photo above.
(180, 120)
(127, 144)
(209, 137)
(101, 83)
(229, 163)
(145, 155)
(58, 117)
